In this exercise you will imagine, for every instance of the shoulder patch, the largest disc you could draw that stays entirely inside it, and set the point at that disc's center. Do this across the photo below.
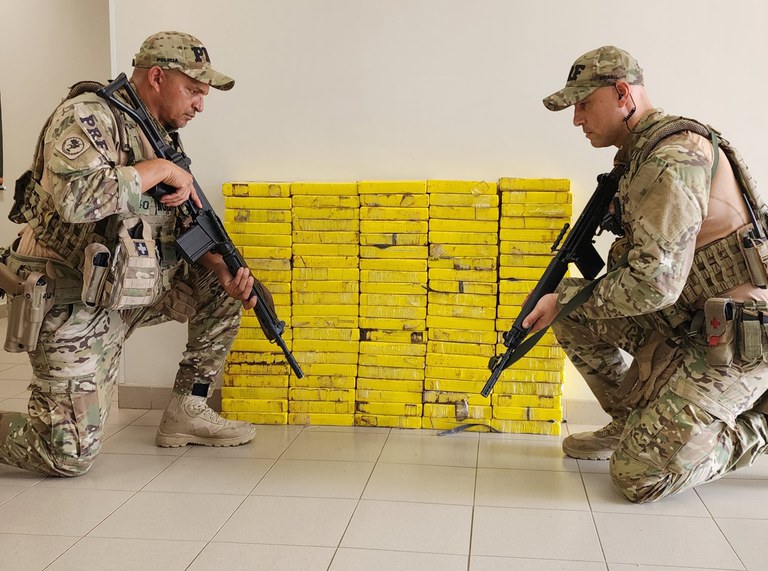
(72, 146)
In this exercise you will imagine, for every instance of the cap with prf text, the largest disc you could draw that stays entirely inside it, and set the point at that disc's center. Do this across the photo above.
(598, 68)
(177, 50)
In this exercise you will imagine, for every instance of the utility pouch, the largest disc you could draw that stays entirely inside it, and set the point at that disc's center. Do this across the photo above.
(751, 329)
(95, 269)
(719, 313)
(133, 279)
(755, 252)
(26, 312)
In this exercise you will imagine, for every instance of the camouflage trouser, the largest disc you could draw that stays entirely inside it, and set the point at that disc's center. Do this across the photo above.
(75, 369)
(699, 426)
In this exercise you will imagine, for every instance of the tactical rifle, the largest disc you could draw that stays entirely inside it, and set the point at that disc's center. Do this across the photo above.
(578, 248)
(206, 233)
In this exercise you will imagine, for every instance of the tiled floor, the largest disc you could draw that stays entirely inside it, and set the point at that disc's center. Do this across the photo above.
(361, 499)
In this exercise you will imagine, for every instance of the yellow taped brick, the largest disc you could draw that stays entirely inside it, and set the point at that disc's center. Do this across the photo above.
(393, 312)
(258, 203)
(324, 369)
(308, 418)
(474, 264)
(260, 266)
(514, 210)
(321, 310)
(274, 189)
(327, 297)
(536, 184)
(462, 213)
(300, 261)
(462, 336)
(456, 371)
(520, 273)
(438, 251)
(449, 411)
(388, 396)
(366, 384)
(393, 324)
(526, 248)
(392, 276)
(539, 352)
(488, 201)
(304, 345)
(313, 357)
(521, 388)
(255, 405)
(511, 413)
(546, 236)
(464, 299)
(265, 229)
(408, 254)
(249, 320)
(258, 393)
(526, 427)
(509, 260)
(325, 188)
(339, 213)
(532, 223)
(523, 286)
(332, 274)
(517, 401)
(272, 276)
(257, 417)
(323, 382)
(534, 197)
(463, 311)
(243, 239)
(403, 200)
(463, 361)
(514, 374)
(244, 359)
(468, 226)
(316, 225)
(504, 325)
(322, 237)
(453, 386)
(328, 321)
(480, 238)
(325, 286)
(245, 383)
(334, 395)
(250, 374)
(392, 187)
(393, 213)
(474, 276)
(325, 201)
(461, 349)
(441, 397)
(396, 226)
(460, 323)
(412, 422)
(350, 335)
(398, 264)
(390, 372)
(431, 423)
(393, 239)
(260, 216)
(267, 252)
(326, 250)
(399, 288)
(408, 362)
(403, 300)
(389, 408)
(470, 187)
(321, 407)
(257, 346)
(393, 336)
(395, 349)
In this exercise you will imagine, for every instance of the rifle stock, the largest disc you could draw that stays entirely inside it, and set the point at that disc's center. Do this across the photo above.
(206, 233)
(578, 248)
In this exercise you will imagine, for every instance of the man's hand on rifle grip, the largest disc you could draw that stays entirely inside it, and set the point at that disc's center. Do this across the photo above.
(543, 314)
(239, 286)
(155, 171)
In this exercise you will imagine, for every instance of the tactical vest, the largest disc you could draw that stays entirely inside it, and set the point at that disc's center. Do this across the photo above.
(35, 207)
(721, 265)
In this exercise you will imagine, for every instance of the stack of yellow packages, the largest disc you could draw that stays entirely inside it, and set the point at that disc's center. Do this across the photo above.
(527, 397)
(325, 302)
(258, 219)
(393, 301)
(463, 259)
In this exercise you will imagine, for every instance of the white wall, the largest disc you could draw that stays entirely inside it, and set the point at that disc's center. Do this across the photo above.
(403, 89)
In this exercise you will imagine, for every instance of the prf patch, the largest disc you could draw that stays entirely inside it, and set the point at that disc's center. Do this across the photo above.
(72, 146)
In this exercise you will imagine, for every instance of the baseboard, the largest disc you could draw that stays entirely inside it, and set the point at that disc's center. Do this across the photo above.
(137, 396)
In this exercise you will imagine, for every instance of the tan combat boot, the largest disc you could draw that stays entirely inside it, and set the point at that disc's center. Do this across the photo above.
(189, 420)
(597, 445)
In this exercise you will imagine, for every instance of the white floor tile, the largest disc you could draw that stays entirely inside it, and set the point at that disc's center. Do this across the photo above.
(523, 454)
(735, 498)
(270, 442)
(336, 445)
(427, 448)
(205, 475)
(747, 537)
(758, 470)
(315, 479)
(530, 489)
(248, 557)
(402, 526)
(162, 515)
(108, 554)
(11, 476)
(664, 540)
(289, 521)
(605, 497)
(138, 440)
(127, 472)
(421, 483)
(486, 563)
(535, 533)
(9, 492)
(149, 418)
(51, 511)
(125, 416)
(379, 560)
(32, 552)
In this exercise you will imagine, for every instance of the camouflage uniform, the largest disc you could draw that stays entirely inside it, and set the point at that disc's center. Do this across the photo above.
(693, 422)
(86, 186)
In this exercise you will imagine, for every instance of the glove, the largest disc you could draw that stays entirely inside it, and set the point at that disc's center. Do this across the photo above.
(178, 303)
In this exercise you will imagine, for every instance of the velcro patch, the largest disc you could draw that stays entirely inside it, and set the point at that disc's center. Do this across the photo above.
(72, 146)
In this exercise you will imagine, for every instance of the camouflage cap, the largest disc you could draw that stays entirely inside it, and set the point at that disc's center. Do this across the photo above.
(176, 50)
(598, 68)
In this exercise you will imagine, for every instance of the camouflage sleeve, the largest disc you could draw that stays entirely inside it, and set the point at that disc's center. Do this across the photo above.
(663, 205)
(83, 171)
